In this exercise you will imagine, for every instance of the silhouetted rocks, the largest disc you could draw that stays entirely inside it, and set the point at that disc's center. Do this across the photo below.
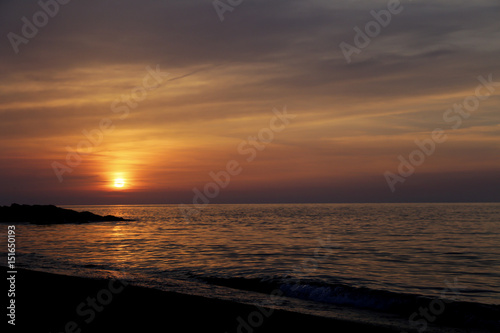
(49, 214)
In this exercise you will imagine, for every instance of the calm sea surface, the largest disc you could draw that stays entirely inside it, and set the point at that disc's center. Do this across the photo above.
(319, 248)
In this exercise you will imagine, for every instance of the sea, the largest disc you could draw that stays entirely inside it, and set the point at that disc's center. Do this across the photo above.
(333, 260)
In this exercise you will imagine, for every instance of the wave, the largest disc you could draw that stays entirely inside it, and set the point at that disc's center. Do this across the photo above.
(447, 311)
(408, 306)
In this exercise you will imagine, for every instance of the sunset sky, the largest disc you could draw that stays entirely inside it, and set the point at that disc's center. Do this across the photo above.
(351, 120)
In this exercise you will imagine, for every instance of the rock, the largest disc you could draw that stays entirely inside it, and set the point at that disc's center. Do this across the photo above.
(49, 214)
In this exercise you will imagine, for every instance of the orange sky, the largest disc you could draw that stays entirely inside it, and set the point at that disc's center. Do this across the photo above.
(351, 123)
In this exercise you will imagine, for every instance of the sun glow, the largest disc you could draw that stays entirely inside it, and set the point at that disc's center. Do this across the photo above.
(119, 183)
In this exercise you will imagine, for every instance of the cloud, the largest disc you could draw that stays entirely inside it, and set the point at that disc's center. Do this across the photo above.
(225, 78)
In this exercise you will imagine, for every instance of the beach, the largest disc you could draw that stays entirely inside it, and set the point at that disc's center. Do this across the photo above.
(59, 303)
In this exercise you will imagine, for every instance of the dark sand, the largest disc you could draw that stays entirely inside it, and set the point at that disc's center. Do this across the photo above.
(48, 303)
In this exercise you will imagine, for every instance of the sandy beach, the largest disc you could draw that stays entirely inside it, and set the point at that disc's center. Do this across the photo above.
(58, 303)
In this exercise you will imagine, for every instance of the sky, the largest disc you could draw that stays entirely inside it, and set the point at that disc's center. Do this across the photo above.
(249, 101)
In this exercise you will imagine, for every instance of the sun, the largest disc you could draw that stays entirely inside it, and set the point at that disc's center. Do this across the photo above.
(119, 183)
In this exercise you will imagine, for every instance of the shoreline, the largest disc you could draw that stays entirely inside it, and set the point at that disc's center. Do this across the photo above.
(47, 302)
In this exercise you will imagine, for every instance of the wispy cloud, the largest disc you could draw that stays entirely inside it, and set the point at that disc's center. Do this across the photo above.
(225, 77)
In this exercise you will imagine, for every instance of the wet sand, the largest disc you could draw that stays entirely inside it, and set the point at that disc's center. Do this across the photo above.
(58, 303)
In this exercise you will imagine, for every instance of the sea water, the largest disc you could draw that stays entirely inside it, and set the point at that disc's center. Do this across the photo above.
(361, 255)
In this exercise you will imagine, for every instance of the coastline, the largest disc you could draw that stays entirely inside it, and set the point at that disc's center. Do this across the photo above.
(47, 302)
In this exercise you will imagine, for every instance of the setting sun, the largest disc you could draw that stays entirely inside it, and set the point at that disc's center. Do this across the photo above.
(119, 183)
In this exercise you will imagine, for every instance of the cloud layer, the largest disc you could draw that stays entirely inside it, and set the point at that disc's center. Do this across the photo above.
(353, 120)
